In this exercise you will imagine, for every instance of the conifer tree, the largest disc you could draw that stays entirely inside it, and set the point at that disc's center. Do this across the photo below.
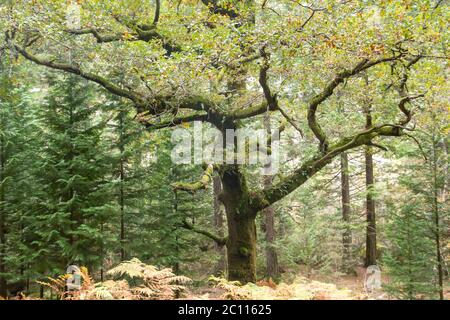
(416, 261)
(410, 260)
(74, 176)
(18, 134)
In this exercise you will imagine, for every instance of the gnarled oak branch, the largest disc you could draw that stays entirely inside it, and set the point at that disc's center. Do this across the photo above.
(172, 123)
(266, 197)
(221, 241)
(328, 91)
(70, 68)
(198, 185)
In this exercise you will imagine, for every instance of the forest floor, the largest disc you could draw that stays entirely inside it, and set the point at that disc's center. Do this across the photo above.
(305, 286)
(295, 284)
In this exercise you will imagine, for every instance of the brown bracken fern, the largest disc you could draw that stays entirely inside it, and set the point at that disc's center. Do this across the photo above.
(154, 284)
(149, 283)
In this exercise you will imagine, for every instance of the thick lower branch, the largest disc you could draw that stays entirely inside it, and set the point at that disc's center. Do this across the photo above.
(265, 198)
(221, 241)
(158, 103)
(174, 122)
(98, 36)
(248, 112)
(108, 85)
(198, 185)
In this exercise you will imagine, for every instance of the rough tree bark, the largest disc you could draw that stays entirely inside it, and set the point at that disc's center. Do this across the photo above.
(347, 234)
(371, 232)
(241, 219)
(272, 269)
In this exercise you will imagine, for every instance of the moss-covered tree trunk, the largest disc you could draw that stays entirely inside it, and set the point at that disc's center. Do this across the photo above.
(241, 248)
(241, 242)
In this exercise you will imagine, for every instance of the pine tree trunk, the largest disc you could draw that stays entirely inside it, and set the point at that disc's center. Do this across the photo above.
(102, 255)
(218, 224)
(437, 229)
(347, 234)
(176, 265)
(122, 181)
(371, 232)
(241, 242)
(272, 268)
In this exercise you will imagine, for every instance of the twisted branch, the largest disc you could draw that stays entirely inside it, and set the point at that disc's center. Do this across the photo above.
(221, 241)
(328, 91)
(198, 185)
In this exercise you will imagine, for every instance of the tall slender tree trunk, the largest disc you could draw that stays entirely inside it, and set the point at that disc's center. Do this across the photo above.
(347, 234)
(445, 229)
(272, 268)
(436, 213)
(220, 268)
(176, 265)
(24, 267)
(241, 242)
(27, 283)
(102, 254)
(3, 284)
(121, 192)
(74, 216)
(371, 231)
